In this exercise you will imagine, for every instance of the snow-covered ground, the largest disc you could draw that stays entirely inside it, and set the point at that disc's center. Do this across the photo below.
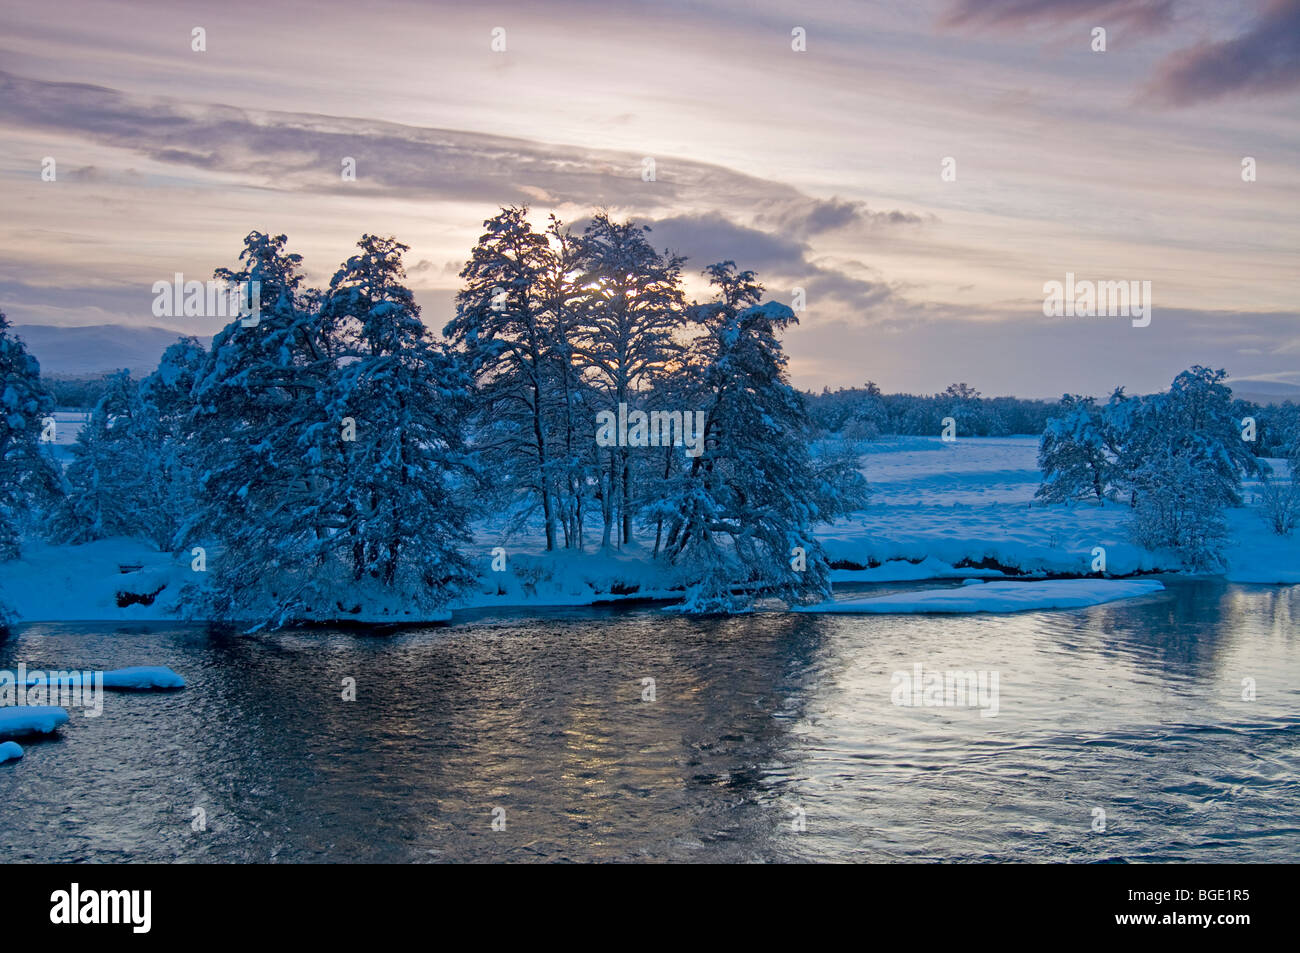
(970, 503)
(939, 510)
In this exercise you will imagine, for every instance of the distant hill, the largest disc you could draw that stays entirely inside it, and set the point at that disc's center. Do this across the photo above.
(1265, 392)
(95, 349)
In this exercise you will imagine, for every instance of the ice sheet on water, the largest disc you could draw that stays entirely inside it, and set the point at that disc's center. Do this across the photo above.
(999, 596)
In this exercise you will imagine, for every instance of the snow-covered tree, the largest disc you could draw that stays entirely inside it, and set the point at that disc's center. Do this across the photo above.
(741, 514)
(868, 418)
(1289, 439)
(1180, 504)
(129, 475)
(396, 413)
(506, 332)
(258, 394)
(107, 483)
(573, 461)
(1073, 455)
(1280, 503)
(1181, 457)
(164, 405)
(635, 306)
(962, 403)
(29, 477)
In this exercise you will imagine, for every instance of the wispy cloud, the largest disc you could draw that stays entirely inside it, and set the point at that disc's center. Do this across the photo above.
(1149, 14)
(819, 169)
(1265, 59)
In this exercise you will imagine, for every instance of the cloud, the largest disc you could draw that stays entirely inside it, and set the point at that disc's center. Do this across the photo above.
(782, 262)
(1263, 59)
(804, 217)
(300, 152)
(1148, 14)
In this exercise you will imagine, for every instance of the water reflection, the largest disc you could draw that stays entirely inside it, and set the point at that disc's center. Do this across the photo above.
(759, 725)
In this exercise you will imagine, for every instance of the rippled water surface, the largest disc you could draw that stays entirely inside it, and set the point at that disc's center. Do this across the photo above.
(759, 726)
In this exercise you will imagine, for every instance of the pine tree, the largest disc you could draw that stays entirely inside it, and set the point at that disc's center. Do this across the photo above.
(107, 480)
(29, 478)
(399, 401)
(259, 403)
(742, 513)
(636, 306)
(164, 406)
(507, 335)
(567, 304)
(129, 475)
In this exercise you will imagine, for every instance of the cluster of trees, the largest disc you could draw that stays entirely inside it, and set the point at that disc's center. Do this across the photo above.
(864, 413)
(557, 327)
(335, 452)
(1178, 458)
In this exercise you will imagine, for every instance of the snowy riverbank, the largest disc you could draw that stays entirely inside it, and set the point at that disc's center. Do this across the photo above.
(938, 511)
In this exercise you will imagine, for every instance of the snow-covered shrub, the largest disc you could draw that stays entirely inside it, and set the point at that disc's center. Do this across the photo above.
(1280, 504)
(1180, 506)
(861, 429)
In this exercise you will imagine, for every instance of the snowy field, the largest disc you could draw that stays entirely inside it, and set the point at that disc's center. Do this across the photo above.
(938, 511)
(971, 503)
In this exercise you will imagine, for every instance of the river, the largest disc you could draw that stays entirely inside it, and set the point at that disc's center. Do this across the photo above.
(1121, 733)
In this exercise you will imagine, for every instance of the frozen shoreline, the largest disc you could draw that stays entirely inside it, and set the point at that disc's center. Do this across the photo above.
(939, 511)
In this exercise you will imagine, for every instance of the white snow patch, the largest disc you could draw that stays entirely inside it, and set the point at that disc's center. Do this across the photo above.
(10, 751)
(140, 677)
(19, 720)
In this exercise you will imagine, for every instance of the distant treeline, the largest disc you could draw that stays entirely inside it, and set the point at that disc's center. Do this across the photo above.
(865, 413)
(79, 392)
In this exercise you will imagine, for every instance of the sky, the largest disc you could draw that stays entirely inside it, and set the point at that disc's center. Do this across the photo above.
(820, 168)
